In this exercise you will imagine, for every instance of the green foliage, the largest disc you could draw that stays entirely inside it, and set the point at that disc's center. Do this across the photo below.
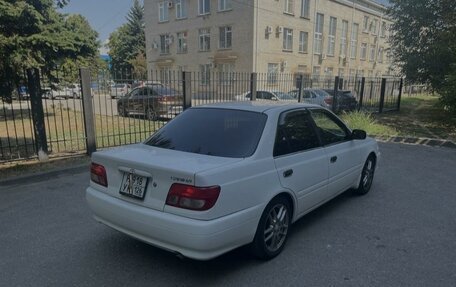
(34, 34)
(365, 121)
(424, 42)
(128, 42)
(448, 91)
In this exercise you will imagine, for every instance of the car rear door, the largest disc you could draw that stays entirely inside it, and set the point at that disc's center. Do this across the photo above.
(344, 159)
(300, 159)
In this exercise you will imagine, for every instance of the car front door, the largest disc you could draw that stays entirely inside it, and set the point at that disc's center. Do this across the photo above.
(342, 152)
(300, 159)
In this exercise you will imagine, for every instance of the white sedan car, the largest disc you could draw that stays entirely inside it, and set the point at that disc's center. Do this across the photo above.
(221, 176)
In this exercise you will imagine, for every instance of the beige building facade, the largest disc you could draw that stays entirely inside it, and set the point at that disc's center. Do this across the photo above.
(311, 37)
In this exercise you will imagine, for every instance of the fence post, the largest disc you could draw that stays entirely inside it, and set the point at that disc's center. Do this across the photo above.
(187, 88)
(301, 82)
(336, 88)
(87, 111)
(382, 95)
(361, 93)
(401, 86)
(253, 86)
(36, 105)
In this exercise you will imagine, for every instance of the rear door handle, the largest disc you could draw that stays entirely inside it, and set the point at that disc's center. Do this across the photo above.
(333, 159)
(287, 173)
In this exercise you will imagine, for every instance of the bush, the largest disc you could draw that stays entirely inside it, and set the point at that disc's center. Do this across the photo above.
(448, 92)
(365, 121)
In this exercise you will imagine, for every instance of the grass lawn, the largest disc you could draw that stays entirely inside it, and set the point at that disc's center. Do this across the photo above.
(420, 116)
(65, 132)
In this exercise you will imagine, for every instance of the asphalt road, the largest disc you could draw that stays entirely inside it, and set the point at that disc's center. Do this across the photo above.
(403, 233)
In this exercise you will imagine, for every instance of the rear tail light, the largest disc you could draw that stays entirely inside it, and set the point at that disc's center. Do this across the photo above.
(192, 197)
(98, 174)
(328, 100)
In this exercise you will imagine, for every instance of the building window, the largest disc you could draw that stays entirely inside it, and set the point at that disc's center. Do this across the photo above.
(165, 41)
(163, 12)
(224, 5)
(354, 41)
(380, 55)
(305, 8)
(273, 71)
(329, 72)
(225, 37)
(303, 41)
(226, 73)
(204, 39)
(332, 36)
(373, 26)
(383, 30)
(205, 74)
(182, 42)
(181, 9)
(363, 53)
(366, 24)
(316, 72)
(343, 38)
(372, 53)
(289, 6)
(318, 41)
(165, 75)
(204, 7)
(287, 39)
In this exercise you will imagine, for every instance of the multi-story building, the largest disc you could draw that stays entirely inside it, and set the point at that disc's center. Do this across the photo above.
(314, 37)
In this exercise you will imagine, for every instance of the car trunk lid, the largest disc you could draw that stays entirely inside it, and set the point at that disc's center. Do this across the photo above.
(159, 167)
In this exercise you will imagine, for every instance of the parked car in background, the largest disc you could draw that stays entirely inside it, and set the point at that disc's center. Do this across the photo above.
(225, 175)
(345, 101)
(314, 96)
(119, 90)
(67, 91)
(154, 102)
(21, 93)
(266, 95)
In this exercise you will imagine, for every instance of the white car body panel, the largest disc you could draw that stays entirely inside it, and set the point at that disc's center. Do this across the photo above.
(247, 186)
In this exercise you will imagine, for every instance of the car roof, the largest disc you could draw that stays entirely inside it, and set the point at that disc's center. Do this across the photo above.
(259, 106)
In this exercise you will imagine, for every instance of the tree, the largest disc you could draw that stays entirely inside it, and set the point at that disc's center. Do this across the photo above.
(34, 34)
(424, 43)
(128, 41)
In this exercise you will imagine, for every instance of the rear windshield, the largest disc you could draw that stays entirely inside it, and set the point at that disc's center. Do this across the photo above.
(216, 132)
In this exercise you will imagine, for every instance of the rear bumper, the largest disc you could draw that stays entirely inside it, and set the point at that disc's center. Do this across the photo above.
(192, 238)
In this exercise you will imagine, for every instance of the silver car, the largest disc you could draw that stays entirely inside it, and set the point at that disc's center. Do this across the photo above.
(119, 90)
(314, 96)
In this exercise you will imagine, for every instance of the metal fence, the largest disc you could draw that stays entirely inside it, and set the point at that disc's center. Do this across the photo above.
(64, 112)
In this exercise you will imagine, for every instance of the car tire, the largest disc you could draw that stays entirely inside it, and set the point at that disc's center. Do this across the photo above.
(367, 176)
(272, 231)
(151, 114)
(122, 111)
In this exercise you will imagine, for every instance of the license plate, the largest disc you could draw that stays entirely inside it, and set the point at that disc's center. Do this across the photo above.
(133, 185)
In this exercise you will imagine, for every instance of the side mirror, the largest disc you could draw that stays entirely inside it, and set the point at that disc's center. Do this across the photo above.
(359, 135)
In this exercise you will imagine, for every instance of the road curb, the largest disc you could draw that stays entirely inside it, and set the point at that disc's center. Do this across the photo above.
(417, 141)
(45, 175)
